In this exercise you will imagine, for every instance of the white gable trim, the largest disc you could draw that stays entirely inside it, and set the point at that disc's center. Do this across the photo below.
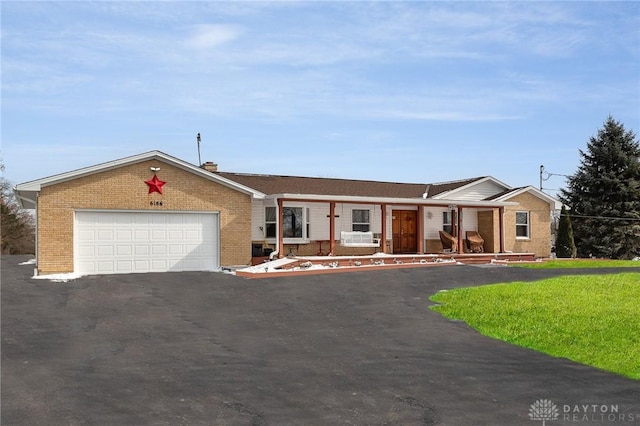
(555, 204)
(450, 195)
(35, 185)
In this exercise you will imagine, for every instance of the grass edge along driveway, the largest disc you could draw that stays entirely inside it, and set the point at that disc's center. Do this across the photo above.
(590, 319)
(579, 263)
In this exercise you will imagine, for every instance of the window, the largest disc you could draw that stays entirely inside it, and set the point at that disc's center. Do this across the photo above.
(270, 222)
(360, 220)
(292, 222)
(446, 222)
(522, 224)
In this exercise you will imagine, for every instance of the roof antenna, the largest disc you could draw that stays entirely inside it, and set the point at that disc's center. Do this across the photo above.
(198, 140)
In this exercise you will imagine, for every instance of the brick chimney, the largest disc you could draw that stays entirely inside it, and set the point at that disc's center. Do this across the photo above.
(210, 166)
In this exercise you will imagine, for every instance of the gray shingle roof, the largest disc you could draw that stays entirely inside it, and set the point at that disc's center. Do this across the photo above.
(274, 184)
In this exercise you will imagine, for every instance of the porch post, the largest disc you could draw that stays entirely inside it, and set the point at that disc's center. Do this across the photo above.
(420, 229)
(280, 229)
(383, 239)
(460, 244)
(332, 227)
(501, 227)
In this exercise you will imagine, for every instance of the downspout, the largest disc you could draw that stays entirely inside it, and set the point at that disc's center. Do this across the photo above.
(274, 254)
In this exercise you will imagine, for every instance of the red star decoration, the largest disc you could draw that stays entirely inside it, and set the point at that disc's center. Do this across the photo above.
(155, 184)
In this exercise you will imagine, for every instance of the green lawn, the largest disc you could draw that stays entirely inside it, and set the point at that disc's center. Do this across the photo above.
(580, 263)
(592, 319)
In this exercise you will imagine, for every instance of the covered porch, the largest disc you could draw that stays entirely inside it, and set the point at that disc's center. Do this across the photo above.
(357, 226)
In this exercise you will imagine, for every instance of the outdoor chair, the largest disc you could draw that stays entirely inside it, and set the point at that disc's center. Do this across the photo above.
(475, 242)
(449, 242)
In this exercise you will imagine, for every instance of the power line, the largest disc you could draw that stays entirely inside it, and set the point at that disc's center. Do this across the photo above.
(545, 175)
(633, 219)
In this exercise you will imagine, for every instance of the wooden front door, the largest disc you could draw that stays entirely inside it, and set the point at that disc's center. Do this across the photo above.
(404, 228)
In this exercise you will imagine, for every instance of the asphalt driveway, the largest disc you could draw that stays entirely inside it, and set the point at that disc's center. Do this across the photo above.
(207, 348)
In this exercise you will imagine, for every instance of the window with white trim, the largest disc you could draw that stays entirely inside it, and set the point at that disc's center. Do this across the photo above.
(446, 222)
(360, 220)
(292, 222)
(522, 225)
(270, 222)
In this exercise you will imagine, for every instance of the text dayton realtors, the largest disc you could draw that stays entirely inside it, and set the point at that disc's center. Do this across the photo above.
(596, 412)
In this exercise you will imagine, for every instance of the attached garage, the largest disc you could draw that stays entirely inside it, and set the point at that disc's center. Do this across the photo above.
(150, 212)
(108, 242)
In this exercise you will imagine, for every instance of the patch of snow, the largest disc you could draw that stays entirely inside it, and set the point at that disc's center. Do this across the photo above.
(268, 266)
(58, 278)
(28, 262)
(329, 262)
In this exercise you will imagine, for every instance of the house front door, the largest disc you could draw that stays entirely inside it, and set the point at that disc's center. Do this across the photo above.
(404, 227)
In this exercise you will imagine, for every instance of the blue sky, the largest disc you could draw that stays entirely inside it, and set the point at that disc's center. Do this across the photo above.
(398, 91)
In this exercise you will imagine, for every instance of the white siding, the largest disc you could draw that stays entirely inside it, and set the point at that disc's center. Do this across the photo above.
(319, 221)
(433, 224)
(257, 219)
(469, 220)
(479, 191)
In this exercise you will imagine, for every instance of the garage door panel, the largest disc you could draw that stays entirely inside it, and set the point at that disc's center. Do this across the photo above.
(124, 234)
(192, 234)
(158, 234)
(104, 250)
(105, 267)
(142, 266)
(124, 266)
(87, 235)
(85, 251)
(141, 250)
(160, 265)
(176, 249)
(175, 235)
(141, 234)
(105, 235)
(124, 242)
(158, 250)
(124, 251)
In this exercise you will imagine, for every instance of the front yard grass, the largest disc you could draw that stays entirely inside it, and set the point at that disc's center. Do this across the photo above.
(592, 319)
(580, 263)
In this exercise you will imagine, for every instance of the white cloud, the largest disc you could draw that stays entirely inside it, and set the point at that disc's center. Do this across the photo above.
(211, 36)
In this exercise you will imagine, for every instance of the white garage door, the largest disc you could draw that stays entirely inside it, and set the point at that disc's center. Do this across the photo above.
(125, 242)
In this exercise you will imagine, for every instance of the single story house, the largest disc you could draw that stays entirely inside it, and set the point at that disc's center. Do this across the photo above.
(154, 212)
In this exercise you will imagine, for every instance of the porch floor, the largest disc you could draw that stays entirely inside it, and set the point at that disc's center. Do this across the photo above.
(304, 265)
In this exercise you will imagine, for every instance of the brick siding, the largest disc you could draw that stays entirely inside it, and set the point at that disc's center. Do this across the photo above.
(124, 188)
(539, 241)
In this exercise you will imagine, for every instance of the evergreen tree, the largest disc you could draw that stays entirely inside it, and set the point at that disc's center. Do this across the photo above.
(565, 246)
(604, 195)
